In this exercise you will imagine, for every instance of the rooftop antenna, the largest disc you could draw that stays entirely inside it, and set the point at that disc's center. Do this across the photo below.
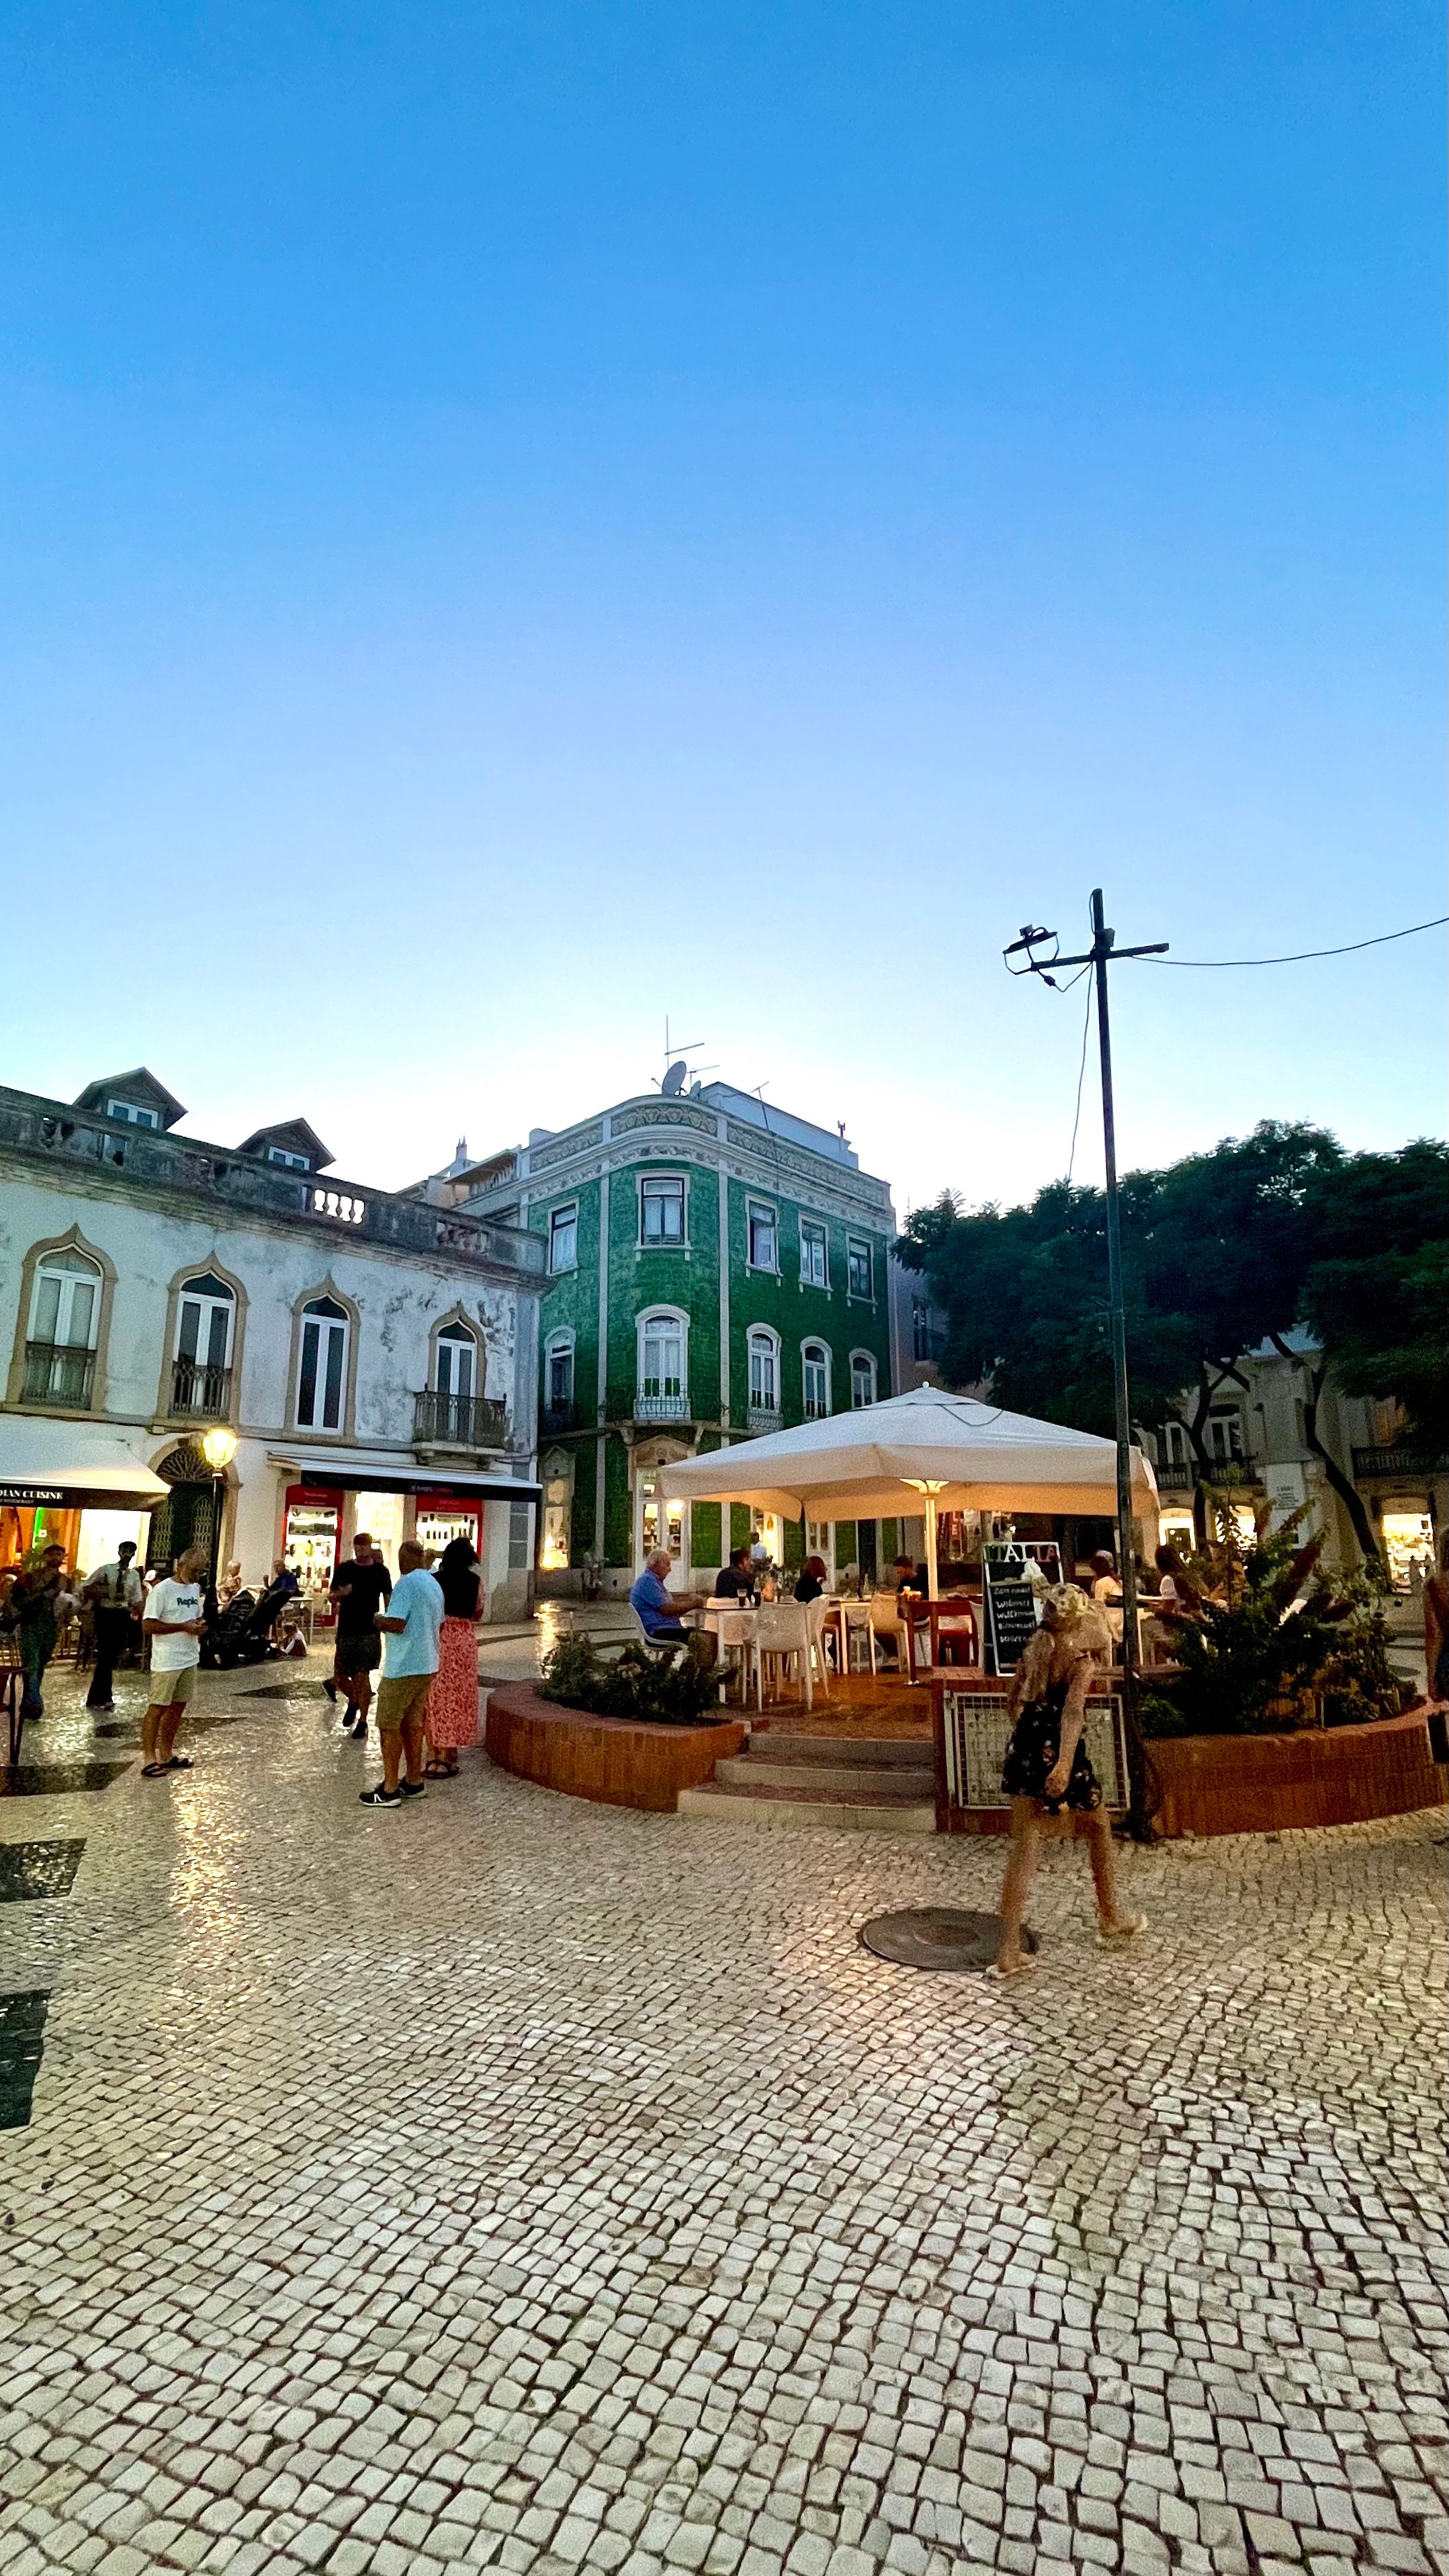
(676, 1069)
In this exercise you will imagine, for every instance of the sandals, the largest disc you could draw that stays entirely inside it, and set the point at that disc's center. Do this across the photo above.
(441, 1771)
(1107, 1933)
(1021, 1967)
(178, 1762)
(154, 1770)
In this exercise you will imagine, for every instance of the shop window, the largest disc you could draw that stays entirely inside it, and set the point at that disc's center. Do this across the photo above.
(862, 1379)
(762, 1237)
(814, 1271)
(815, 1371)
(661, 1211)
(563, 1240)
(322, 1373)
(764, 1359)
(65, 1315)
(858, 1264)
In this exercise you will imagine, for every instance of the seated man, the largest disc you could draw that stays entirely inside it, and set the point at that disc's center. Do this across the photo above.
(736, 1581)
(655, 1609)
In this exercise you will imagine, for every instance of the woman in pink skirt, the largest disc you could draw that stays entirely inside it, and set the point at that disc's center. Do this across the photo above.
(453, 1699)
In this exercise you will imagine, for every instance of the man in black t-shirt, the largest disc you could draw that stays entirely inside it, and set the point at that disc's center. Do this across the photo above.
(735, 1581)
(360, 1589)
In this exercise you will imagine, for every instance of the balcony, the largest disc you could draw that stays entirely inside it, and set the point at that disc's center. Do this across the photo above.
(56, 1374)
(199, 1393)
(1231, 1471)
(459, 1421)
(554, 1418)
(1175, 1475)
(652, 1406)
(760, 1418)
(1400, 1462)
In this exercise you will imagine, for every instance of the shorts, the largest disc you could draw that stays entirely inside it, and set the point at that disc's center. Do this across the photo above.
(359, 1654)
(171, 1690)
(402, 1697)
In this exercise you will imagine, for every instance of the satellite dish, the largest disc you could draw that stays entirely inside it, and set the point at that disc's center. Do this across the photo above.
(673, 1082)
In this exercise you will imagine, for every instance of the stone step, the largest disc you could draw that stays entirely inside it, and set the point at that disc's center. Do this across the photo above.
(837, 1812)
(858, 1780)
(872, 1752)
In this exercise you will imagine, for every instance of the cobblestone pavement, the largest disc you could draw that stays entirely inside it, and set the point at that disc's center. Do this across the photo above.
(509, 2182)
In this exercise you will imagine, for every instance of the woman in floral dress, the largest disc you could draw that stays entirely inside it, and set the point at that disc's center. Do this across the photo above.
(453, 1699)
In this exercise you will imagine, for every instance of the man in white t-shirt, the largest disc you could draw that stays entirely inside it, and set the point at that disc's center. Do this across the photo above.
(175, 1626)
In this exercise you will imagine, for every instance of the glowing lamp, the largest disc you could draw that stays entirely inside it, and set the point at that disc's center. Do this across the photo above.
(218, 1448)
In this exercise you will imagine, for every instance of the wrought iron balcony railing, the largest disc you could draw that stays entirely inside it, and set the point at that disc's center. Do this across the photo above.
(652, 1406)
(57, 1374)
(1400, 1462)
(459, 1421)
(1175, 1476)
(763, 1417)
(1232, 1471)
(200, 1393)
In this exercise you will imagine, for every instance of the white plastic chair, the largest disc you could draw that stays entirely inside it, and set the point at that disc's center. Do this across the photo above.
(886, 1621)
(815, 1615)
(782, 1636)
(858, 1624)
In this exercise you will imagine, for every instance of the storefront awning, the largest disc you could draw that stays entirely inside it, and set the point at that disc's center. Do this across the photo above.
(349, 1472)
(69, 1466)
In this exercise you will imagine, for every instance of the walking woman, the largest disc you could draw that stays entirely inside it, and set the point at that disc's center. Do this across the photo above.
(1047, 1772)
(453, 1700)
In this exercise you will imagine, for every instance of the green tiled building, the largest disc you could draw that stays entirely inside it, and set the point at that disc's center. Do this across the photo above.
(715, 1269)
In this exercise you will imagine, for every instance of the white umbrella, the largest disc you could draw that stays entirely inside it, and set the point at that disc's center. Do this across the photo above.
(951, 1451)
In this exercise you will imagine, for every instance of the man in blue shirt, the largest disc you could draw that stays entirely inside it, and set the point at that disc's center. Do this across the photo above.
(657, 1611)
(411, 1624)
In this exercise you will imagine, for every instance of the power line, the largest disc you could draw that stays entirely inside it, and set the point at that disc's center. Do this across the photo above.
(1081, 1076)
(1301, 956)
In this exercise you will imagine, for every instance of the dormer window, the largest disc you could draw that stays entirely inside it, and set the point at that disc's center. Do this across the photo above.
(132, 1113)
(293, 1162)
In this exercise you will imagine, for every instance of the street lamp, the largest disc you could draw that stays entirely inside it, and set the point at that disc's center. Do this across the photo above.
(218, 1448)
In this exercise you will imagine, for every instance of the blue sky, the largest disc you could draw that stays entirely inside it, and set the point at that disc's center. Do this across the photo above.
(519, 519)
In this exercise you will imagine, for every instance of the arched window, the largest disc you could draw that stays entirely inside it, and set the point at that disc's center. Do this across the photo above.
(205, 1308)
(763, 1351)
(201, 1361)
(862, 1379)
(558, 1377)
(65, 1318)
(815, 1372)
(457, 1362)
(663, 1394)
(322, 1373)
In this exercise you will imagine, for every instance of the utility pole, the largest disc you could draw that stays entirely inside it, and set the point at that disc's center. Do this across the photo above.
(1104, 947)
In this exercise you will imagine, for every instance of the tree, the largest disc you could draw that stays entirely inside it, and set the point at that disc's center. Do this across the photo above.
(1222, 1252)
(1214, 1252)
(1376, 1295)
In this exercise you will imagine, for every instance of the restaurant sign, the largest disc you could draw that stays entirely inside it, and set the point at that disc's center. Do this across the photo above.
(28, 1495)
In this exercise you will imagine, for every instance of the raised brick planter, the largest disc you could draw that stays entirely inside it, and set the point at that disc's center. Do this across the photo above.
(608, 1759)
(1335, 1775)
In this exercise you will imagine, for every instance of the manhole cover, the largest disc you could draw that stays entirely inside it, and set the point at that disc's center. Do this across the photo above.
(937, 1936)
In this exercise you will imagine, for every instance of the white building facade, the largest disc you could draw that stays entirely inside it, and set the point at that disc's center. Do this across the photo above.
(367, 1359)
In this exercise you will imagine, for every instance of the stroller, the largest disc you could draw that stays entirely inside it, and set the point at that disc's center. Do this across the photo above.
(245, 1631)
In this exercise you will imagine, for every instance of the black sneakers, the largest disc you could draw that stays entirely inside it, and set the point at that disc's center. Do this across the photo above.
(412, 1788)
(381, 1797)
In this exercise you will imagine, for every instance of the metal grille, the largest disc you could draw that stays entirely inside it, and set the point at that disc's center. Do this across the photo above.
(976, 1732)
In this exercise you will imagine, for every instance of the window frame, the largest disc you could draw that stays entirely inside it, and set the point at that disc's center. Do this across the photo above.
(132, 1113)
(664, 1189)
(558, 1218)
(762, 1342)
(655, 1312)
(325, 1291)
(866, 1361)
(208, 1306)
(815, 1342)
(770, 1216)
(860, 1246)
(458, 1334)
(815, 1230)
(560, 1345)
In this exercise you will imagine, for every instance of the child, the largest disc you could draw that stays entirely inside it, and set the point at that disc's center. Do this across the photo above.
(1046, 1767)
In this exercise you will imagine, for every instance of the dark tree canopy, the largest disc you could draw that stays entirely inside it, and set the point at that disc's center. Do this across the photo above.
(1222, 1252)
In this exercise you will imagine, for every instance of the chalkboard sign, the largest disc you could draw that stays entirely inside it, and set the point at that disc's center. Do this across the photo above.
(1011, 1620)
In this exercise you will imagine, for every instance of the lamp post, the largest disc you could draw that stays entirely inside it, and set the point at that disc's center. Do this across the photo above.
(218, 1448)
